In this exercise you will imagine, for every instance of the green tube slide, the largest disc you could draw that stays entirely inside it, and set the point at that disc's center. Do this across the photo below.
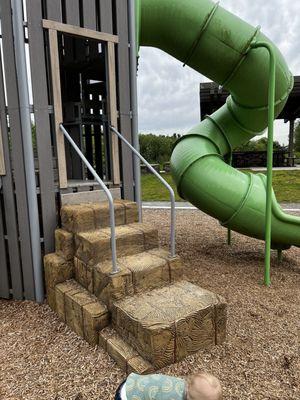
(218, 44)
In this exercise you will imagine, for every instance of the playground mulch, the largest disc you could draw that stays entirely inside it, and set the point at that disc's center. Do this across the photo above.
(40, 358)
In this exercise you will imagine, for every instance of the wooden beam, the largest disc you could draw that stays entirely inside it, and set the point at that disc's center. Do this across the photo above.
(57, 103)
(77, 31)
(2, 162)
(113, 113)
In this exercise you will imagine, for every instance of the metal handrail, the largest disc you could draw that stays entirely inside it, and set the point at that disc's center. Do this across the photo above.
(164, 182)
(115, 268)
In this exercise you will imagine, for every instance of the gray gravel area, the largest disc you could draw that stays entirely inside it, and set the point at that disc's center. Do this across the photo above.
(42, 359)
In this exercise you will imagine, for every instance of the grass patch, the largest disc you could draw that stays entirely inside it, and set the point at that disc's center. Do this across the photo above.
(286, 186)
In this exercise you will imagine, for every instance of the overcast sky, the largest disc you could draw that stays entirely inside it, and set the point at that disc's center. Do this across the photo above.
(169, 93)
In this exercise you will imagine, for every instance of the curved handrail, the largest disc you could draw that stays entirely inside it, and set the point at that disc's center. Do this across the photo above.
(164, 182)
(115, 268)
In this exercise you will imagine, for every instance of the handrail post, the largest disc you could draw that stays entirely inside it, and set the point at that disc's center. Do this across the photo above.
(271, 116)
(115, 268)
(164, 182)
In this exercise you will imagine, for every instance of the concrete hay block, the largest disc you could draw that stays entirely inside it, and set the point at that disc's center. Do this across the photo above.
(150, 235)
(102, 217)
(60, 292)
(78, 218)
(194, 332)
(131, 211)
(176, 268)
(104, 335)
(51, 299)
(221, 320)
(109, 288)
(120, 351)
(139, 366)
(64, 244)
(148, 271)
(74, 303)
(83, 274)
(167, 324)
(57, 270)
(95, 318)
(93, 247)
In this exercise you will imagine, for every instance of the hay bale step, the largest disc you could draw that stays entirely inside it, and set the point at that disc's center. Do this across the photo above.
(94, 247)
(81, 311)
(91, 216)
(165, 325)
(125, 356)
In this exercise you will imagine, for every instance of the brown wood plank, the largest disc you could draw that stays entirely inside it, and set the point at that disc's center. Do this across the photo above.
(17, 158)
(89, 14)
(54, 10)
(106, 23)
(124, 97)
(113, 113)
(77, 31)
(72, 12)
(57, 103)
(42, 122)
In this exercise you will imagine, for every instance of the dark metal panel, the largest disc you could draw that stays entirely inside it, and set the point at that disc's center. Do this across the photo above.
(72, 12)
(42, 122)
(54, 10)
(4, 281)
(89, 14)
(106, 22)
(124, 96)
(17, 149)
(9, 204)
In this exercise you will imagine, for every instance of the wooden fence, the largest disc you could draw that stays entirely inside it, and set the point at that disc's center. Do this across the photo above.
(109, 16)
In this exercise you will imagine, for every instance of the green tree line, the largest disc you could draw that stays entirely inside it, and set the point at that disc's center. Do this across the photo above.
(157, 149)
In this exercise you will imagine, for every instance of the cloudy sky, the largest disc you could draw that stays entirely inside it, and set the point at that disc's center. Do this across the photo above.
(169, 93)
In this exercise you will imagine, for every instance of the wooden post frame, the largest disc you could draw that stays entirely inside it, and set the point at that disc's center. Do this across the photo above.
(2, 161)
(111, 40)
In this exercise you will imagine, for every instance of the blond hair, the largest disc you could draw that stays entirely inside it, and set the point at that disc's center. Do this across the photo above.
(204, 386)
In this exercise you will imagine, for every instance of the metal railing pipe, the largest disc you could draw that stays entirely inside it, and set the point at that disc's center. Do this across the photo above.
(115, 268)
(271, 117)
(164, 182)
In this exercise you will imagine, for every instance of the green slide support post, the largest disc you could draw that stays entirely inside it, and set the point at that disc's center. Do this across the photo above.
(226, 49)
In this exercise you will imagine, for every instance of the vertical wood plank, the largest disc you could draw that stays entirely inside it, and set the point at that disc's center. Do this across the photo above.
(42, 122)
(54, 10)
(57, 103)
(17, 157)
(72, 12)
(113, 114)
(124, 96)
(89, 14)
(2, 162)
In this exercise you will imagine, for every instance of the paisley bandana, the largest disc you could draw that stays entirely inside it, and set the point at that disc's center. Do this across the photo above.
(154, 387)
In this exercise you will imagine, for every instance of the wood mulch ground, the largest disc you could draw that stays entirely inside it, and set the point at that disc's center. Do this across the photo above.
(40, 358)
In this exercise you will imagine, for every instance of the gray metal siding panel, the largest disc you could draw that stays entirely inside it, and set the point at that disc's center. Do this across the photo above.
(54, 11)
(4, 281)
(72, 12)
(106, 23)
(124, 96)
(9, 204)
(42, 122)
(17, 150)
(89, 14)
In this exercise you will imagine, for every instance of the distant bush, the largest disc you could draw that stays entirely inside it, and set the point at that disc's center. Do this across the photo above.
(259, 145)
(157, 148)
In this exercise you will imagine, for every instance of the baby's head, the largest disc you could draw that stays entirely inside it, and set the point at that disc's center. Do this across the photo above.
(203, 386)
